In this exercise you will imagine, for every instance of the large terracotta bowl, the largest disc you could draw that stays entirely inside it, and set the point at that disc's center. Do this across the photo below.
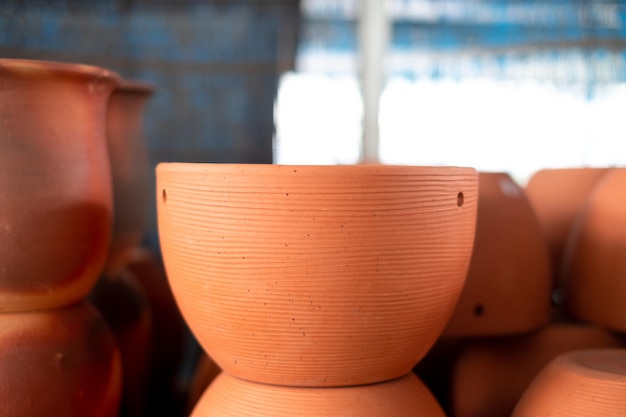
(232, 397)
(55, 182)
(508, 287)
(594, 266)
(316, 275)
(584, 383)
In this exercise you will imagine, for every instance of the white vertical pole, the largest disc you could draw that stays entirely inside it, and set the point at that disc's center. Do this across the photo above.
(374, 32)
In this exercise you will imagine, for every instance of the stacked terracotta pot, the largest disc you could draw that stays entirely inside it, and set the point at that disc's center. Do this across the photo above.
(592, 288)
(58, 356)
(505, 328)
(316, 289)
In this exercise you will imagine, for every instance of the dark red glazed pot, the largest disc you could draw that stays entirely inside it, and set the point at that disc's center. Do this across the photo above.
(55, 182)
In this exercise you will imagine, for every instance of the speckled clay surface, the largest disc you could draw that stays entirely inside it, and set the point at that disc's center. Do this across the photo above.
(60, 362)
(586, 383)
(55, 182)
(490, 375)
(316, 276)
(403, 397)
(509, 283)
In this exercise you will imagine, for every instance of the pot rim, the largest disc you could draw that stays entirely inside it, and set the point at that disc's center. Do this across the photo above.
(43, 68)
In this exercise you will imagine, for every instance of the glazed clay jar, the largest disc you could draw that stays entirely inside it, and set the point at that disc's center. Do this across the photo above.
(61, 362)
(585, 383)
(316, 275)
(55, 184)
(490, 375)
(129, 168)
(508, 287)
(557, 196)
(403, 397)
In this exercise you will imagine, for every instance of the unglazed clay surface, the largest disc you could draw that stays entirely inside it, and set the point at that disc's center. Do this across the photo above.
(403, 397)
(316, 276)
(490, 375)
(55, 185)
(585, 383)
(558, 196)
(595, 263)
(508, 286)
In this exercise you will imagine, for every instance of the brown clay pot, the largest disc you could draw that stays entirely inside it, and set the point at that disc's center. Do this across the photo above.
(168, 334)
(316, 275)
(55, 184)
(595, 261)
(60, 362)
(129, 168)
(230, 396)
(124, 306)
(508, 285)
(489, 376)
(557, 196)
(584, 383)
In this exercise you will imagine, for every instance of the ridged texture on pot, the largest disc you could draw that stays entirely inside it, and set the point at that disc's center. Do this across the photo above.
(316, 276)
(490, 375)
(55, 182)
(595, 260)
(61, 362)
(508, 286)
(404, 397)
(585, 383)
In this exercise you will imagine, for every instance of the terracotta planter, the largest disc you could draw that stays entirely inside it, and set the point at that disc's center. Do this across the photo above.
(557, 196)
(489, 376)
(586, 383)
(229, 396)
(316, 276)
(508, 286)
(55, 185)
(129, 168)
(60, 362)
(595, 263)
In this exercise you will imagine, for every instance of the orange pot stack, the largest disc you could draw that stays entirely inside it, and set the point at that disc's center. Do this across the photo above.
(316, 289)
(59, 358)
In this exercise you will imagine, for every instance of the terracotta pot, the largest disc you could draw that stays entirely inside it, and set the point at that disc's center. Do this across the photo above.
(508, 285)
(60, 362)
(586, 383)
(124, 305)
(595, 262)
(129, 168)
(229, 396)
(489, 376)
(316, 275)
(557, 196)
(55, 183)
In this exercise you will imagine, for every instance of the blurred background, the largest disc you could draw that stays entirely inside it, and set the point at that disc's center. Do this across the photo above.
(510, 86)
